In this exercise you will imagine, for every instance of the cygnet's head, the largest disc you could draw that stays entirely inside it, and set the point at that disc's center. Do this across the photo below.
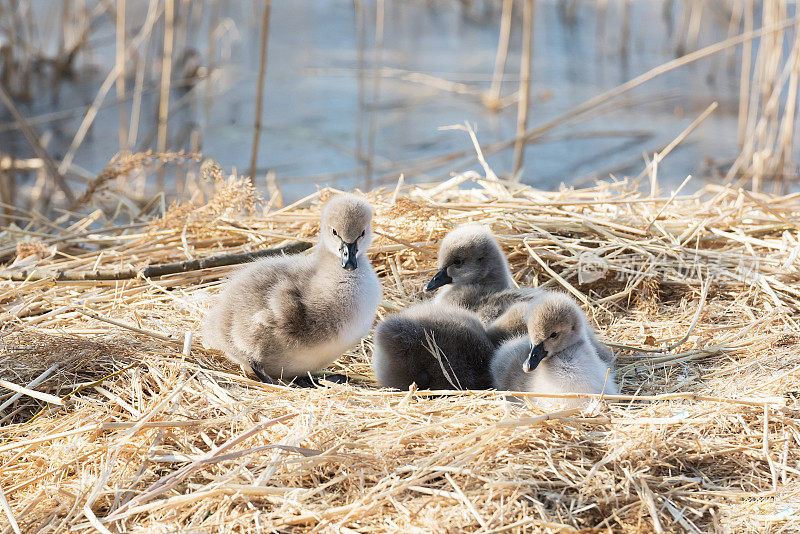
(346, 229)
(470, 255)
(555, 323)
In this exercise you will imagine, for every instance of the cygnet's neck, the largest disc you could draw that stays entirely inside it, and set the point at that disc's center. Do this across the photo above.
(490, 284)
(497, 282)
(499, 278)
(471, 296)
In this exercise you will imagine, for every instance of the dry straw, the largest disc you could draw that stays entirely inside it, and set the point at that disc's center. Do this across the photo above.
(118, 420)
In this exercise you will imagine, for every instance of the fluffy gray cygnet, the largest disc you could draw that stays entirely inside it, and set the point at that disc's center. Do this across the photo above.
(436, 346)
(514, 323)
(556, 356)
(474, 274)
(286, 316)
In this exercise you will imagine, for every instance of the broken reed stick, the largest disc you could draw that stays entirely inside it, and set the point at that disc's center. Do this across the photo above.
(32, 384)
(9, 513)
(150, 333)
(46, 397)
(152, 271)
(754, 402)
(535, 420)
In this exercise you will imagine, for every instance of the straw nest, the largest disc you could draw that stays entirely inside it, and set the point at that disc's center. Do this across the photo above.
(115, 418)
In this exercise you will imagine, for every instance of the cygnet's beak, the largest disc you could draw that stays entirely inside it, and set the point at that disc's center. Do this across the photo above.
(439, 279)
(536, 355)
(348, 252)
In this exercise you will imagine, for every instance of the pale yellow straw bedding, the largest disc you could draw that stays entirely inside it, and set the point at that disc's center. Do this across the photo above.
(134, 435)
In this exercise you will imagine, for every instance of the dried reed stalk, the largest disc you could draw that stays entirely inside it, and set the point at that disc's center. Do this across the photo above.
(524, 96)
(166, 77)
(492, 99)
(120, 67)
(262, 71)
(376, 93)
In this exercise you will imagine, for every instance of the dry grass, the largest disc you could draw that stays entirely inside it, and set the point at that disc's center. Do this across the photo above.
(137, 434)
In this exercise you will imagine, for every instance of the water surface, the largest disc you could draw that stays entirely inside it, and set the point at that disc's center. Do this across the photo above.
(320, 101)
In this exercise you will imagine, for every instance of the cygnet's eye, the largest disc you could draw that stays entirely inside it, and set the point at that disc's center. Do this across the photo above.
(457, 262)
(334, 232)
(554, 335)
(363, 233)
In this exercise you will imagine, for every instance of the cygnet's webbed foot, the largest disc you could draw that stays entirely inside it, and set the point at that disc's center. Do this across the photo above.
(308, 381)
(262, 375)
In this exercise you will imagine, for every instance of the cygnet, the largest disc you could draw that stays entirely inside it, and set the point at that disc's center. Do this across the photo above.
(555, 357)
(474, 274)
(513, 323)
(286, 316)
(436, 346)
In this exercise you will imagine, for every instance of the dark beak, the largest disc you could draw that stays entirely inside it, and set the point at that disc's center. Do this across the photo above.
(439, 279)
(536, 355)
(348, 252)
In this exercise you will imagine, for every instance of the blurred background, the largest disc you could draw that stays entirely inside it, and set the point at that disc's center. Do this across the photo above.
(352, 94)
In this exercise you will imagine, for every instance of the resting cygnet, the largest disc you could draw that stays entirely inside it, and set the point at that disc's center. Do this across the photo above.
(474, 274)
(514, 322)
(406, 349)
(286, 316)
(557, 355)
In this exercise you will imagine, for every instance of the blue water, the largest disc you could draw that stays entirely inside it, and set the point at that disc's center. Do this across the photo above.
(311, 115)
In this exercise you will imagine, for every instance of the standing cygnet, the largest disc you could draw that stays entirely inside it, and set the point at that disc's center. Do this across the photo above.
(474, 274)
(286, 316)
(436, 346)
(557, 355)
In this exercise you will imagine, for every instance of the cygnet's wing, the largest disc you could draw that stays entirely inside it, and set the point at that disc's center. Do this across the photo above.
(603, 351)
(251, 300)
(298, 315)
(510, 324)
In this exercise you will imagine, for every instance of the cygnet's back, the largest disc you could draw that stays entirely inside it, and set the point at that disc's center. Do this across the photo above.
(434, 345)
(286, 316)
(556, 356)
